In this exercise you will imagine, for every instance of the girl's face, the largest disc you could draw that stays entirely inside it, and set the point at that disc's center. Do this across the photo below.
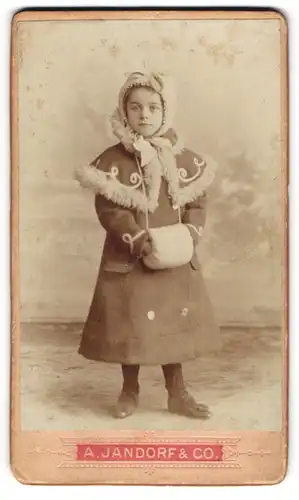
(144, 111)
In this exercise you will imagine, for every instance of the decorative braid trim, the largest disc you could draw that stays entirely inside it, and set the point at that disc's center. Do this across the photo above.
(129, 239)
(198, 187)
(107, 184)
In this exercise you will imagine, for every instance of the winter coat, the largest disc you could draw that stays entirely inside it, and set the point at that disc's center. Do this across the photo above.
(138, 315)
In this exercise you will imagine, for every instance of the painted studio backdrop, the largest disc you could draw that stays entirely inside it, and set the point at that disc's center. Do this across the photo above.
(227, 75)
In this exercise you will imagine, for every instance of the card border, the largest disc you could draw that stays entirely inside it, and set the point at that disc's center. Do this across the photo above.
(40, 466)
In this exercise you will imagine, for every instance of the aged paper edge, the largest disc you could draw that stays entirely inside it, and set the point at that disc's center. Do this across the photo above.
(32, 459)
(67, 15)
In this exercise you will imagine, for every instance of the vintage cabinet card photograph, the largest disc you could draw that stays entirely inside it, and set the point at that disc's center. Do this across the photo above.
(149, 324)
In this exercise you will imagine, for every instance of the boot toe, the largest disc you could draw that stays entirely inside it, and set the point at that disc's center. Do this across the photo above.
(188, 407)
(126, 405)
(121, 413)
(124, 411)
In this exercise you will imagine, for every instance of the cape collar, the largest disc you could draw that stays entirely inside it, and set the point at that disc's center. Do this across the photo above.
(185, 185)
(155, 158)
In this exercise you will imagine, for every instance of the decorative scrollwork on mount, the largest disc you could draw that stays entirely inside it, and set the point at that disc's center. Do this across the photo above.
(149, 470)
(47, 451)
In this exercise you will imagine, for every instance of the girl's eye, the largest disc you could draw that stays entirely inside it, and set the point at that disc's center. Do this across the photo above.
(154, 108)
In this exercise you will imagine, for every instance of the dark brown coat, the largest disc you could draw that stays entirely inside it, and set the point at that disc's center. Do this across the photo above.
(140, 316)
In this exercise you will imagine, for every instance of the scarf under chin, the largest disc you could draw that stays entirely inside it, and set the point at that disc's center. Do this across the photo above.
(161, 146)
(156, 156)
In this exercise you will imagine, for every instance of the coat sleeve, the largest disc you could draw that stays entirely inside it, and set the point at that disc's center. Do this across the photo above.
(120, 223)
(195, 217)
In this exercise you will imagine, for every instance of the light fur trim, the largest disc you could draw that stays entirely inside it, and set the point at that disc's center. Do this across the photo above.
(107, 184)
(198, 187)
(197, 184)
(103, 183)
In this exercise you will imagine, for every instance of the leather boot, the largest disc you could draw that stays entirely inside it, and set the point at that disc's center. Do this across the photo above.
(179, 400)
(129, 396)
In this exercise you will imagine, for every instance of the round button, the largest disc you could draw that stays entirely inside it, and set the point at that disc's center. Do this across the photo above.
(151, 315)
(184, 311)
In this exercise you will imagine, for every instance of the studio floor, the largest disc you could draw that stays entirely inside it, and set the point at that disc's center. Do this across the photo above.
(60, 390)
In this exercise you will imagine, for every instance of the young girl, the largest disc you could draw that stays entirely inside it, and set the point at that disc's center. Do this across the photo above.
(144, 313)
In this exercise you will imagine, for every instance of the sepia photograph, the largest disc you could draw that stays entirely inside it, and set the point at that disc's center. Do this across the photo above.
(151, 224)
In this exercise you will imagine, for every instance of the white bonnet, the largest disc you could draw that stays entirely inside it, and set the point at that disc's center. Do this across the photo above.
(158, 82)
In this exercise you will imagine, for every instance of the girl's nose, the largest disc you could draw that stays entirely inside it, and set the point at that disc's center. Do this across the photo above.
(144, 113)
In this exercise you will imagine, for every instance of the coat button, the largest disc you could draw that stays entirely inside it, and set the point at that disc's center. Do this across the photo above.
(184, 311)
(151, 315)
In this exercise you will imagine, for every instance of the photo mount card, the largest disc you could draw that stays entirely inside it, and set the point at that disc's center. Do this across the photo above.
(124, 122)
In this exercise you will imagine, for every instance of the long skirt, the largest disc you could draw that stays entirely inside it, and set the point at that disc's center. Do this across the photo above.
(150, 317)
